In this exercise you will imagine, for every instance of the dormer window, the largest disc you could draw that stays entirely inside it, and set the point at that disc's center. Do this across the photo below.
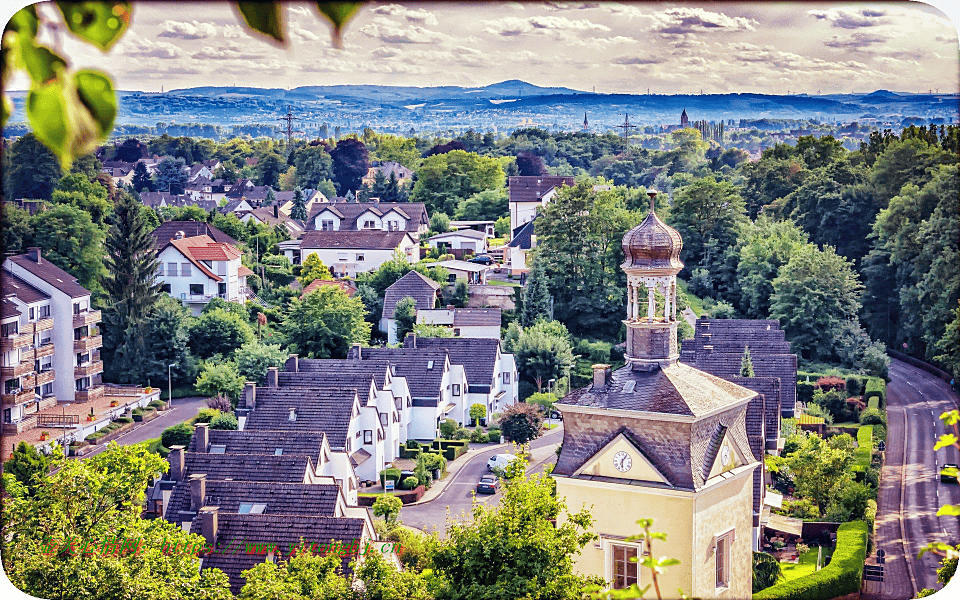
(293, 414)
(278, 451)
(249, 508)
(429, 365)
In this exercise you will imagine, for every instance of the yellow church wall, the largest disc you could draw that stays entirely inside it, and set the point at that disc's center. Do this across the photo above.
(718, 509)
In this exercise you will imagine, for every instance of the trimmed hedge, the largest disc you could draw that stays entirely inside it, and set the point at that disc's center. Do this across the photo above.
(409, 452)
(864, 451)
(805, 391)
(392, 474)
(840, 577)
(876, 388)
(874, 403)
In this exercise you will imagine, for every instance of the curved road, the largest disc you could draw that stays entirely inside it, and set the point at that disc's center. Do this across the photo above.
(457, 497)
(910, 490)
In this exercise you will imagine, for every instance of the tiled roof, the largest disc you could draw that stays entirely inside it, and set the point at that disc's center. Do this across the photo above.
(26, 293)
(263, 441)
(327, 410)
(476, 317)
(167, 231)
(9, 309)
(280, 498)
(343, 284)
(286, 531)
(413, 363)
(530, 188)
(362, 382)
(478, 356)
(416, 213)
(523, 236)
(373, 239)
(676, 389)
(202, 247)
(52, 274)
(419, 287)
(287, 468)
(334, 366)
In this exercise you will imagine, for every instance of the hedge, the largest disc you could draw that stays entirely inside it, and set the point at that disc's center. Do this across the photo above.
(409, 452)
(864, 451)
(876, 388)
(840, 577)
(393, 474)
(805, 391)
(874, 403)
(452, 453)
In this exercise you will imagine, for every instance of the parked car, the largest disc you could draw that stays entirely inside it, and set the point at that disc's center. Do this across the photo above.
(500, 461)
(488, 484)
(948, 473)
(482, 259)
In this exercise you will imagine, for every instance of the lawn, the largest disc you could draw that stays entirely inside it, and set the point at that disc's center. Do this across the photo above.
(695, 304)
(499, 282)
(806, 565)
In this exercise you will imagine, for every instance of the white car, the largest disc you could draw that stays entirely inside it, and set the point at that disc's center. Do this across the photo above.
(500, 461)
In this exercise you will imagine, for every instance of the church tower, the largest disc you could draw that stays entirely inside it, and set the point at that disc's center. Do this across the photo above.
(662, 440)
(684, 120)
(586, 124)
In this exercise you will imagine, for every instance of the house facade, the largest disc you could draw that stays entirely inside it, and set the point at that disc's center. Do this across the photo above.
(197, 269)
(465, 322)
(529, 193)
(469, 240)
(421, 288)
(348, 253)
(365, 216)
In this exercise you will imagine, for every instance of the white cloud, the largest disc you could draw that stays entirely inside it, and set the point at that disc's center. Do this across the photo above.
(851, 19)
(136, 47)
(419, 16)
(304, 34)
(232, 51)
(512, 26)
(193, 30)
(686, 20)
(392, 32)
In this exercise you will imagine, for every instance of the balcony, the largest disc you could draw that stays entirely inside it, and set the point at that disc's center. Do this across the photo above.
(89, 342)
(89, 369)
(18, 396)
(45, 377)
(43, 324)
(18, 340)
(44, 349)
(91, 393)
(24, 367)
(89, 317)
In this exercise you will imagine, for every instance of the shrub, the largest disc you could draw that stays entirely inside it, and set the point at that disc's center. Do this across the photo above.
(461, 433)
(410, 483)
(137, 411)
(875, 388)
(224, 421)
(805, 391)
(388, 507)
(493, 435)
(176, 435)
(478, 436)
(432, 462)
(205, 415)
(447, 428)
(413, 444)
(840, 577)
(391, 474)
(123, 420)
(830, 383)
(219, 402)
(408, 453)
(855, 384)
(873, 416)
(521, 423)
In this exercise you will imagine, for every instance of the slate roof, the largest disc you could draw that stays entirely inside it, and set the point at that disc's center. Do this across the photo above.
(280, 498)
(167, 231)
(477, 355)
(26, 293)
(371, 239)
(412, 363)
(333, 366)
(531, 188)
(362, 382)
(419, 287)
(263, 441)
(523, 236)
(476, 317)
(52, 274)
(9, 309)
(287, 468)
(327, 410)
(286, 531)
(265, 215)
(676, 389)
(415, 213)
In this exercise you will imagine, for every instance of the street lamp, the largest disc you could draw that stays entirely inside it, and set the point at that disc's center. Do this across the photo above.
(170, 384)
(63, 421)
(550, 383)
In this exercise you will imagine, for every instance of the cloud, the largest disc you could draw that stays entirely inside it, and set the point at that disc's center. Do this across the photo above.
(234, 31)
(135, 47)
(392, 32)
(304, 34)
(232, 51)
(419, 16)
(850, 19)
(684, 20)
(187, 31)
(513, 26)
(568, 6)
(857, 41)
(637, 60)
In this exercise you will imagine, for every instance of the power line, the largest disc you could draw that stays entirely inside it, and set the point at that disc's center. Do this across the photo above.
(289, 118)
(626, 130)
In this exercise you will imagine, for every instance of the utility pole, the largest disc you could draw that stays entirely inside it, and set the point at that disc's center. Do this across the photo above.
(626, 127)
(289, 118)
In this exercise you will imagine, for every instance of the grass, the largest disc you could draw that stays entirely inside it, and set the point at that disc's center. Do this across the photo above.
(498, 282)
(695, 303)
(806, 565)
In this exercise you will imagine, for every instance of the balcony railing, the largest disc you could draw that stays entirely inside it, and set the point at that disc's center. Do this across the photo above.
(44, 349)
(91, 393)
(22, 368)
(45, 377)
(208, 297)
(88, 317)
(58, 420)
(90, 342)
(18, 396)
(43, 324)
(17, 340)
(88, 369)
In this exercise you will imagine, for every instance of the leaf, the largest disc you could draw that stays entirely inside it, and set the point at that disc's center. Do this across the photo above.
(40, 62)
(948, 439)
(61, 120)
(950, 417)
(669, 562)
(100, 23)
(951, 510)
(264, 17)
(95, 92)
(338, 13)
(25, 22)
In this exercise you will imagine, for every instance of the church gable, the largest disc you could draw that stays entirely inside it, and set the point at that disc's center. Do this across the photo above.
(622, 458)
(723, 455)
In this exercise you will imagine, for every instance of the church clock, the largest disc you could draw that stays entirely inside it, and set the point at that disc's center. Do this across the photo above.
(622, 461)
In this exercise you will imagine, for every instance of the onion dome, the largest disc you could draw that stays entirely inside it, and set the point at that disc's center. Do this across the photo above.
(652, 245)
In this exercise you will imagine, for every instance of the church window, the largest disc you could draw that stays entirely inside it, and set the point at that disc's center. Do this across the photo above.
(722, 555)
(625, 566)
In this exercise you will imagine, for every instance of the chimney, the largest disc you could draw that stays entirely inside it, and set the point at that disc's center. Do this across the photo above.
(198, 490)
(292, 364)
(356, 352)
(276, 210)
(410, 341)
(33, 253)
(176, 459)
(202, 432)
(179, 235)
(250, 395)
(601, 374)
(272, 377)
(208, 524)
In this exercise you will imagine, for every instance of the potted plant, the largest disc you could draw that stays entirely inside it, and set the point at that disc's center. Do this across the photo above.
(114, 403)
(90, 416)
(148, 390)
(44, 436)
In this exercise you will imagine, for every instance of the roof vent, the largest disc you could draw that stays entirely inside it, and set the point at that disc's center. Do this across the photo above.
(180, 235)
(293, 414)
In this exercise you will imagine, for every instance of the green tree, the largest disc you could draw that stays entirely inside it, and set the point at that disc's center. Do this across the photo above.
(537, 303)
(176, 435)
(76, 190)
(405, 315)
(820, 469)
(253, 359)
(286, 182)
(815, 294)
(502, 228)
(422, 330)
(904, 162)
(220, 379)
(477, 412)
(171, 176)
(443, 180)
(746, 363)
(514, 550)
(313, 268)
(219, 332)
(325, 323)
(765, 246)
(949, 345)
(303, 575)
(225, 421)
(349, 164)
(766, 571)
(15, 235)
(71, 240)
(314, 165)
(542, 354)
(388, 507)
(545, 400)
(439, 223)
(28, 466)
(299, 210)
(141, 178)
(167, 338)
(488, 205)
(34, 170)
(269, 169)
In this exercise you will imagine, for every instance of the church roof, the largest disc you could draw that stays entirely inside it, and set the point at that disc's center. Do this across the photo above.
(652, 245)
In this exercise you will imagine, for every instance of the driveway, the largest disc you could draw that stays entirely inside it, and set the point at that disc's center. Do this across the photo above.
(183, 409)
(458, 495)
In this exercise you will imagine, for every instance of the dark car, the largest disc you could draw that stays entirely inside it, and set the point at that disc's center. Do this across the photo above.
(948, 473)
(482, 259)
(488, 484)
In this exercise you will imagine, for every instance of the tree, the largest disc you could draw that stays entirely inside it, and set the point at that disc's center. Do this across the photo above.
(521, 423)
(949, 345)
(904, 162)
(439, 223)
(303, 575)
(422, 330)
(269, 169)
(443, 180)
(314, 165)
(545, 400)
(15, 235)
(488, 205)
(765, 246)
(537, 303)
(311, 269)
(141, 178)
(299, 210)
(542, 352)
(28, 466)
(166, 333)
(514, 550)
(220, 379)
(131, 150)
(176, 435)
(502, 227)
(814, 295)
(171, 176)
(746, 363)
(69, 239)
(219, 332)
(766, 571)
(349, 164)
(76, 190)
(820, 469)
(388, 507)
(382, 581)
(405, 315)
(477, 412)
(325, 323)
(287, 181)
(253, 359)
(33, 172)
(529, 164)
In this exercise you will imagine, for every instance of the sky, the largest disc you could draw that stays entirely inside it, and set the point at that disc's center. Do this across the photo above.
(612, 47)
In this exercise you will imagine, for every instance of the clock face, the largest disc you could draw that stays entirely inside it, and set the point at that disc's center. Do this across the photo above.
(622, 461)
(725, 455)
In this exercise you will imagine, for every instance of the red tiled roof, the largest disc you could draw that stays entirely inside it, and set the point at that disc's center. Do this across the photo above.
(201, 247)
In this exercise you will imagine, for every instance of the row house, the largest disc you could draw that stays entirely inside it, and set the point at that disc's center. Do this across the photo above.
(464, 322)
(424, 291)
(51, 341)
(365, 216)
(273, 216)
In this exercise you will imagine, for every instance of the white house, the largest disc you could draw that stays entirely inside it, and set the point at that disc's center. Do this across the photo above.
(464, 239)
(465, 322)
(529, 193)
(524, 239)
(312, 200)
(196, 269)
(273, 216)
(359, 216)
(422, 289)
(347, 253)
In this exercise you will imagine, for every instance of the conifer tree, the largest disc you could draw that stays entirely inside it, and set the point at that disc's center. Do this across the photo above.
(746, 363)
(299, 210)
(536, 297)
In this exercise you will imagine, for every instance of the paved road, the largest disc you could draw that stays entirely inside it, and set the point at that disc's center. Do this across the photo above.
(183, 409)
(915, 400)
(457, 497)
